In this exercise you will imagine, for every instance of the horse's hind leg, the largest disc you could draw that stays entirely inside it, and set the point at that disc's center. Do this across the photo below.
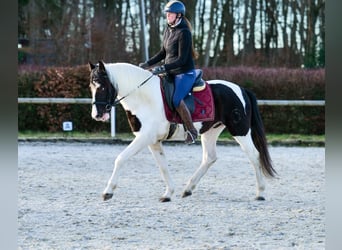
(159, 155)
(248, 147)
(208, 140)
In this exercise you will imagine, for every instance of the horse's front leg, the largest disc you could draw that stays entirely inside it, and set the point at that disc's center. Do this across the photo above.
(134, 147)
(159, 156)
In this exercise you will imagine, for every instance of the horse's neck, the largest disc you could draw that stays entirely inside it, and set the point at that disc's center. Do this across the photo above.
(126, 76)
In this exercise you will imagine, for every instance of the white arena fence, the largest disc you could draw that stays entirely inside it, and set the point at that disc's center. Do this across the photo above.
(39, 100)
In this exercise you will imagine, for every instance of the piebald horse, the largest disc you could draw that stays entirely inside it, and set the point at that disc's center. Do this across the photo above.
(139, 93)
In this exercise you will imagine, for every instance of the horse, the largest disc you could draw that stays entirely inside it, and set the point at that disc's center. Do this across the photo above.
(138, 91)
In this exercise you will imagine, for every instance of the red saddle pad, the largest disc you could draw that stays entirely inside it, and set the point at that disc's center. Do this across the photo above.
(204, 106)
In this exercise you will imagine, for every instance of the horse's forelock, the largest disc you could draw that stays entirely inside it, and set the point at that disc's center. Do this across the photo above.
(97, 73)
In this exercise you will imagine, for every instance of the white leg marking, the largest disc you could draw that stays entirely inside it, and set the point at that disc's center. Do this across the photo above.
(159, 156)
(248, 147)
(134, 147)
(208, 140)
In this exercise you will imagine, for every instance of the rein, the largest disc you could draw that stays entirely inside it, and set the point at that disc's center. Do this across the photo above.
(141, 84)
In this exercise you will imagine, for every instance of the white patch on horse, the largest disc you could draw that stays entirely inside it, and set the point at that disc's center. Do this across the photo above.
(93, 88)
(236, 89)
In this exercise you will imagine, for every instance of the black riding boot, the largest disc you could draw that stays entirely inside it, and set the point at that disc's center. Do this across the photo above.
(185, 115)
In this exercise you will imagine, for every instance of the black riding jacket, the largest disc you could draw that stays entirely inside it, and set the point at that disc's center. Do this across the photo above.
(176, 50)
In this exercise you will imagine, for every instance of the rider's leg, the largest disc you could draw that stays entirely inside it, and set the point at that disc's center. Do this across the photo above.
(183, 85)
(185, 115)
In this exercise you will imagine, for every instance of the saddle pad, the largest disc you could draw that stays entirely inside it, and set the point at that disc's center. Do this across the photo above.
(204, 106)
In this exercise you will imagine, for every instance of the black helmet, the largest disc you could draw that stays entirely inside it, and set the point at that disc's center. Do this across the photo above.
(175, 7)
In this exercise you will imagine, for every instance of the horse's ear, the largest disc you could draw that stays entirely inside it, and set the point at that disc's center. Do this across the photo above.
(101, 66)
(91, 66)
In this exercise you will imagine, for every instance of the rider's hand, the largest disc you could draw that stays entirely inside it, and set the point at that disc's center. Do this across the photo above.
(144, 65)
(158, 70)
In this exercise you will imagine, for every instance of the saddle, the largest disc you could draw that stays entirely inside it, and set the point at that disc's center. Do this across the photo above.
(199, 101)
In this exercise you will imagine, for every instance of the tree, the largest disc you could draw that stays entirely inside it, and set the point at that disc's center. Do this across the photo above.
(225, 32)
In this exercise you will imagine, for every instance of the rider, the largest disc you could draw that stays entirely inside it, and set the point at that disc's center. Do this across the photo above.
(178, 52)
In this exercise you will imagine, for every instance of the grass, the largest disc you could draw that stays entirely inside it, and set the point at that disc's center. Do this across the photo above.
(274, 139)
(72, 134)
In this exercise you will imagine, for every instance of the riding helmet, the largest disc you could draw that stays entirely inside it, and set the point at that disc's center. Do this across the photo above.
(175, 7)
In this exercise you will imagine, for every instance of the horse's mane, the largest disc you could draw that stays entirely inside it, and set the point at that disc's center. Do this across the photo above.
(127, 71)
(125, 76)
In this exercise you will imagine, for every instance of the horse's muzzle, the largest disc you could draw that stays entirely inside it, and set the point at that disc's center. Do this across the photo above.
(103, 118)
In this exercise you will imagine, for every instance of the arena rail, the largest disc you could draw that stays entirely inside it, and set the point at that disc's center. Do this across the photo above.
(40, 100)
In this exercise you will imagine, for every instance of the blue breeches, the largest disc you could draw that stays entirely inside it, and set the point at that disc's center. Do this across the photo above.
(183, 85)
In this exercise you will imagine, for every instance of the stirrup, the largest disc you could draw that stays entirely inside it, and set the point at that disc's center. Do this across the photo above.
(190, 138)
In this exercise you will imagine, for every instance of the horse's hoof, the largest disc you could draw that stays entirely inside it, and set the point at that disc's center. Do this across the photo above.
(259, 198)
(186, 194)
(164, 199)
(107, 196)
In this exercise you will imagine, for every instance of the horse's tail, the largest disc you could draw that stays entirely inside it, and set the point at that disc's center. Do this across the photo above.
(259, 138)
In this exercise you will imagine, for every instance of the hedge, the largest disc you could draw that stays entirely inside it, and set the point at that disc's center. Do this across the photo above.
(266, 83)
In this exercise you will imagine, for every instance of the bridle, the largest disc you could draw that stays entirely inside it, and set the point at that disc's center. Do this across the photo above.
(111, 97)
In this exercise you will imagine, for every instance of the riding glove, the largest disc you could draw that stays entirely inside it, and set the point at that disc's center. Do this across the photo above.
(158, 70)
